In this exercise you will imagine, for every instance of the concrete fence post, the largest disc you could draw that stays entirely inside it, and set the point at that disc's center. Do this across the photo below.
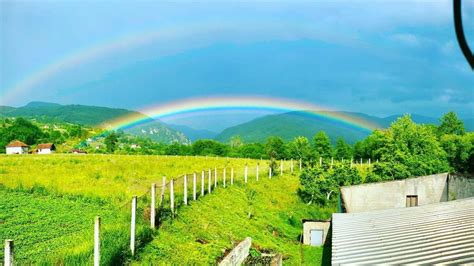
(172, 195)
(223, 177)
(97, 241)
(291, 166)
(352, 161)
(270, 172)
(361, 160)
(202, 183)
(369, 161)
(377, 161)
(257, 171)
(231, 176)
(185, 190)
(133, 224)
(320, 161)
(163, 188)
(9, 253)
(301, 164)
(209, 181)
(153, 206)
(246, 171)
(281, 167)
(194, 186)
(215, 177)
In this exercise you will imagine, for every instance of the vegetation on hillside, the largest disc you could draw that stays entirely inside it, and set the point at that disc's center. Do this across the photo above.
(405, 149)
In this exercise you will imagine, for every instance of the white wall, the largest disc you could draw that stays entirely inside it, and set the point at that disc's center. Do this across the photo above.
(392, 194)
(16, 150)
(44, 151)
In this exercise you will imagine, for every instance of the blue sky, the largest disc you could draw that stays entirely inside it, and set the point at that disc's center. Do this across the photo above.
(377, 57)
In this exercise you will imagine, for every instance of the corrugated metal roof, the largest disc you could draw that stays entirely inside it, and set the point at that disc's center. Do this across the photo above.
(441, 233)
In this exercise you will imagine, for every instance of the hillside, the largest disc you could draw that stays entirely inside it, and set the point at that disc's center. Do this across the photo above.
(93, 116)
(193, 134)
(292, 124)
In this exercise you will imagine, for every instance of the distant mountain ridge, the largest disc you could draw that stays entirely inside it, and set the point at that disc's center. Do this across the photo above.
(94, 116)
(293, 124)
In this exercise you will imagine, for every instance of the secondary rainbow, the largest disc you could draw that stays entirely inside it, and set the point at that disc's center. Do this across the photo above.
(196, 105)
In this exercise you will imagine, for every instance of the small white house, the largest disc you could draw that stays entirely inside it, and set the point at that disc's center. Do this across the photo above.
(45, 148)
(17, 147)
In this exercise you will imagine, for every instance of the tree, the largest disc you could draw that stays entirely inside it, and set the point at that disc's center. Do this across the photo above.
(342, 150)
(451, 124)
(110, 141)
(322, 145)
(459, 150)
(23, 130)
(236, 142)
(299, 148)
(415, 147)
(275, 148)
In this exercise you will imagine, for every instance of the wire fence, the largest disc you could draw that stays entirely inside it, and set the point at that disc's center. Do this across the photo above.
(149, 210)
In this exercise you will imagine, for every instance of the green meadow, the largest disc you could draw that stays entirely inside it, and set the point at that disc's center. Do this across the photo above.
(48, 204)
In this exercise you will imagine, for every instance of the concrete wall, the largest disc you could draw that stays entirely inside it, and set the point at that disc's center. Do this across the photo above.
(16, 150)
(392, 194)
(312, 225)
(460, 186)
(238, 254)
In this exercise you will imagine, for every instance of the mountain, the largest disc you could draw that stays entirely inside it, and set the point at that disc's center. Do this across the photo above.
(292, 124)
(193, 134)
(94, 116)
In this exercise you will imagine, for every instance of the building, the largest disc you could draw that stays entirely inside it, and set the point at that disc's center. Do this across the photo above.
(315, 232)
(77, 151)
(17, 147)
(45, 148)
(422, 220)
(438, 233)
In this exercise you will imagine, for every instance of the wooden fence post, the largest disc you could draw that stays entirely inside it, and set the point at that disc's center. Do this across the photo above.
(270, 172)
(97, 241)
(232, 176)
(163, 188)
(281, 167)
(9, 252)
(172, 195)
(202, 183)
(194, 186)
(215, 177)
(246, 173)
(223, 177)
(153, 206)
(132, 225)
(257, 171)
(185, 191)
(209, 182)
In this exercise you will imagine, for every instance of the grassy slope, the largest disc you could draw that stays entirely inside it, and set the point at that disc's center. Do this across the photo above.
(50, 230)
(221, 220)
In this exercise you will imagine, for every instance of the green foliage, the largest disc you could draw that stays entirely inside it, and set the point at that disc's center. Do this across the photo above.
(275, 148)
(110, 141)
(299, 148)
(450, 124)
(209, 147)
(322, 145)
(460, 151)
(342, 150)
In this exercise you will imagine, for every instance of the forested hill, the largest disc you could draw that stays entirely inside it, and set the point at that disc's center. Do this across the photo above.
(293, 124)
(93, 116)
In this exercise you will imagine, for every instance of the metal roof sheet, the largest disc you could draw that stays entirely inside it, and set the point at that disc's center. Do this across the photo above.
(441, 233)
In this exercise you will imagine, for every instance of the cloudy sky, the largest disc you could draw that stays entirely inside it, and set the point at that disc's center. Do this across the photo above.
(377, 57)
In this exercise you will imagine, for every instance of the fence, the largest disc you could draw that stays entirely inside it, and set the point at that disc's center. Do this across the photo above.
(174, 194)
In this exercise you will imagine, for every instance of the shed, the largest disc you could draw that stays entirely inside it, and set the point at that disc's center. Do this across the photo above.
(439, 233)
(45, 148)
(16, 147)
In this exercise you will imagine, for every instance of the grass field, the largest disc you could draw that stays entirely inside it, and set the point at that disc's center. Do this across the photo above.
(49, 203)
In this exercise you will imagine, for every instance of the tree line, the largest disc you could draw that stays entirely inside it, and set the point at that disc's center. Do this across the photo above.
(405, 149)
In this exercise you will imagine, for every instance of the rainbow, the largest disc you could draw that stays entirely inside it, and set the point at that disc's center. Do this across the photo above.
(196, 105)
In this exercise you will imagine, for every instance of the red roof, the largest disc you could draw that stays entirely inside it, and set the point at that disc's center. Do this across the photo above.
(45, 146)
(16, 143)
